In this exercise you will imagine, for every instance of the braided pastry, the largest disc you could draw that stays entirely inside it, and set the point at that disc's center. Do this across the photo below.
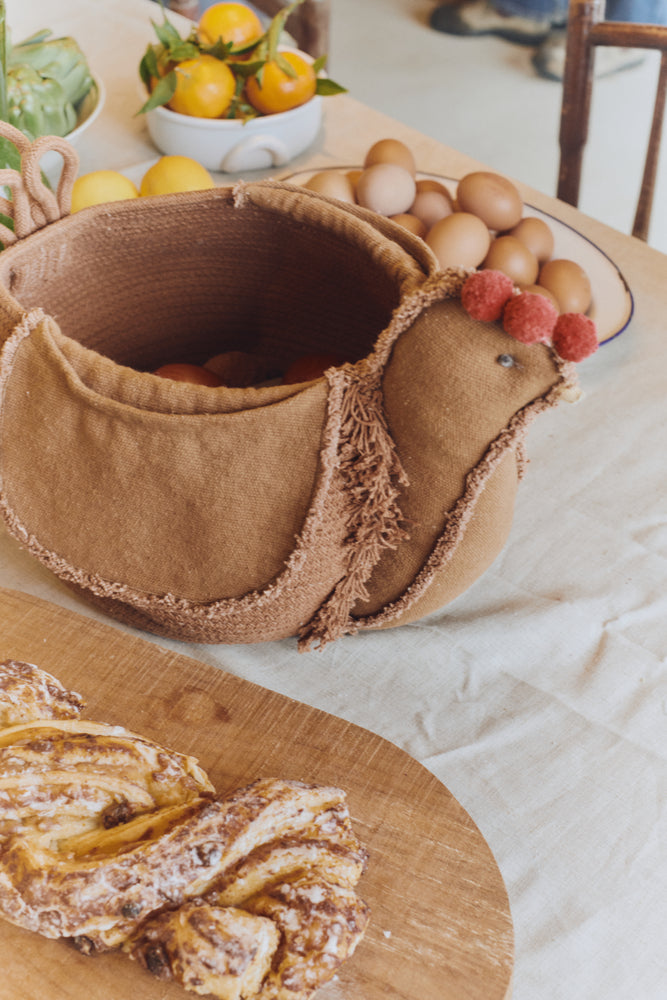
(115, 842)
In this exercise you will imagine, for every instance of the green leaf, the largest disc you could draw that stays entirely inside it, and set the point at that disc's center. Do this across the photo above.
(9, 155)
(240, 109)
(39, 36)
(319, 64)
(219, 49)
(245, 69)
(285, 66)
(149, 67)
(327, 88)
(236, 99)
(162, 93)
(166, 33)
(241, 50)
(222, 50)
(3, 62)
(277, 26)
(181, 50)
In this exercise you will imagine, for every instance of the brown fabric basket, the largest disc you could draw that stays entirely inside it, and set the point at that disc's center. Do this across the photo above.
(364, 499)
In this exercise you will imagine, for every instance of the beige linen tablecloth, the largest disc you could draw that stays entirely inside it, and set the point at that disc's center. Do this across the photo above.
(539, 698)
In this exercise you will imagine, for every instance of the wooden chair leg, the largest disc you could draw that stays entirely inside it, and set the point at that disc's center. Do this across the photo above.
(645, 204)
(188, 8)
(309, 26)
(317, 18)
(577, 88)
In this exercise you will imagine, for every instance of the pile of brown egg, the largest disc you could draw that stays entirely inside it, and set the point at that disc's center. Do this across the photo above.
(482, 226)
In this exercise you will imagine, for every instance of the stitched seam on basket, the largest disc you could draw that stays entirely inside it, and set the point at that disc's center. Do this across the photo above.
(459, 515)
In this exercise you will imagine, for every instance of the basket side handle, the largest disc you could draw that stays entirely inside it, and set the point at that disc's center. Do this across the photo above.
(33, 205)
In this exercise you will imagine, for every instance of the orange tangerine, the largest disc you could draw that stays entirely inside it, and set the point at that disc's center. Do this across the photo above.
(278, 91)
(205, 87)
(232, 22)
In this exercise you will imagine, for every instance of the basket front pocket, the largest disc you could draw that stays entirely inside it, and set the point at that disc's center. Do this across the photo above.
(122, 498)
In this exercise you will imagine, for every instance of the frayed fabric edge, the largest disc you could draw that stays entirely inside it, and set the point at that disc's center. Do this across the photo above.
(371, 478)
(459, 515)
(167, 608)
(357, 456)
(370, 470)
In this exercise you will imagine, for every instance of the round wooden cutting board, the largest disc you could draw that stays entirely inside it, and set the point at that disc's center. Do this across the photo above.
(440, 928)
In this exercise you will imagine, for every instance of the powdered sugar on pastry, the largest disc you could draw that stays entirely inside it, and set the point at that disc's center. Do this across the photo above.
(116, 842)
(26, 693)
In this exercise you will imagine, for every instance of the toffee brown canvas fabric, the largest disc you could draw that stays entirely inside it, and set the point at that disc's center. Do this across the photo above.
(363, 499)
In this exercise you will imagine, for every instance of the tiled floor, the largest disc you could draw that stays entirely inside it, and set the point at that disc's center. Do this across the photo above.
(483, 96)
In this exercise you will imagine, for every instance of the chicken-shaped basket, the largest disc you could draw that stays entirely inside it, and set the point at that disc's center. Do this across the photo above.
(363, 499)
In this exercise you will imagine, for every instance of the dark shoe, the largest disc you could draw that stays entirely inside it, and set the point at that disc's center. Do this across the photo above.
(478, 17)
(549, 60)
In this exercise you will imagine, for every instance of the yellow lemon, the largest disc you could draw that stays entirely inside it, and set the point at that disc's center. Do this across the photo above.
(175, 173)
(100, 186)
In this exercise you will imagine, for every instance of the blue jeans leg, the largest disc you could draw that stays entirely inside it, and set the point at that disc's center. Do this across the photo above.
(642, 11)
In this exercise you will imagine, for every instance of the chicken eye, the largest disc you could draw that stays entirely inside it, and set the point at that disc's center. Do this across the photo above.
(506, 360)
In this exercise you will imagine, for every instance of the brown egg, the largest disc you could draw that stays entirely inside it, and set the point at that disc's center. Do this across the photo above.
(536, 235)
(353, 177)
(311, 366)
(411, 223)
(391, 151)
(179, 371)
(493, 198)
(237, 368)
(460, 240)
(431, 206)
(333, 184)
(539, 290)
(513, 258)
(386, 188)
(568, 282)
(430, 184)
